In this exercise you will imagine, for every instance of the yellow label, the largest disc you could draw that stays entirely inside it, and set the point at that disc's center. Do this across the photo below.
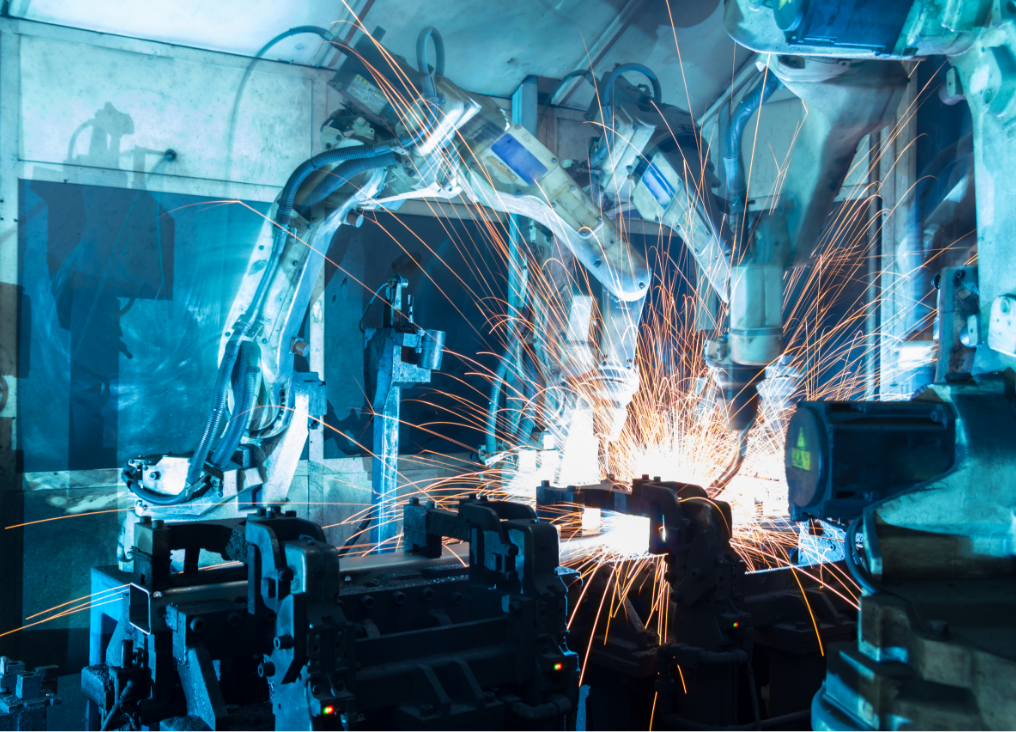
(799, 456)
(367, 94)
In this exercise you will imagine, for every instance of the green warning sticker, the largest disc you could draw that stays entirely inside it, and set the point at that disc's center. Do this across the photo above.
(800, 457)
(367, 94)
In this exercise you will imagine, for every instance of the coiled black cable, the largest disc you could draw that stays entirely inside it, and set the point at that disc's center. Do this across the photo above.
(587, 75)
(735, 463)
(608, 96)
(342, 175)
(360, 532)
(608, 86)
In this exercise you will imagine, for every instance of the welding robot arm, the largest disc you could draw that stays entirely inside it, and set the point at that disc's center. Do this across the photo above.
(747, 259)
(438, 145)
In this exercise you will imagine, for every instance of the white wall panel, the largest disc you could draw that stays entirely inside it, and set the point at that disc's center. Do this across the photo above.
(95, 107)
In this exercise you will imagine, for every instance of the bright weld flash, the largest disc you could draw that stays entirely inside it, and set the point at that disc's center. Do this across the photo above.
(626, 536)
(591, 520)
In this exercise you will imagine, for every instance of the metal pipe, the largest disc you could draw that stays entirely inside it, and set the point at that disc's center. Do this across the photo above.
(871, 292)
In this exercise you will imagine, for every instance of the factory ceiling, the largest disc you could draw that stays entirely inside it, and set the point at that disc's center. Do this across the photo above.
(491, 47)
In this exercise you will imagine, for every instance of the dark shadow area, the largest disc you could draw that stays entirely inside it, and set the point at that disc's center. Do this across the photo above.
(130, 291)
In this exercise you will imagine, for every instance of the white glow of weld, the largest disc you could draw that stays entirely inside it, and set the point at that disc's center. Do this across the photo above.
(625, 536)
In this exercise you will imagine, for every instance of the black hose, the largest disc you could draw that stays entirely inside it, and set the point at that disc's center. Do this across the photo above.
(360, 532)
(116, 706)
(217, 413)
(369, 303)
(316, 29)
(608, 96)
(913, 257)
(427, 78)
(342, 175)
(734, 167)
(587, 75)
(328, 157)
(735, 462)
(608, 87)
(244, 393)
(133, 482)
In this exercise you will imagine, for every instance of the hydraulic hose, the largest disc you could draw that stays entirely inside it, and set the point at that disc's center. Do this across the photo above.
(244, 394)
(328, 157)
(608, 96)
(735, 462)
(342, 175)
(608, 87)
(360, 532)
(587, 75)
(732, 164)
(427, 78)
(133, 483)
(316, 29)
(127, 689)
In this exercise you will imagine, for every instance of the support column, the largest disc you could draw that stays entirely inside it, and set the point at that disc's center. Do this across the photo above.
(10, 290)
(524, 112)
(873, 264)
(12, 505)
(316, 337)
(385, 470)
(898, 172)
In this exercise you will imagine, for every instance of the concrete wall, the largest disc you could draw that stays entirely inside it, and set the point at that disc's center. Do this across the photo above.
(85, 108)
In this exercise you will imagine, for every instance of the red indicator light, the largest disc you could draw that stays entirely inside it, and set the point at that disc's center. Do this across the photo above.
(737, 624)
(328, 710)
(558, 666)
